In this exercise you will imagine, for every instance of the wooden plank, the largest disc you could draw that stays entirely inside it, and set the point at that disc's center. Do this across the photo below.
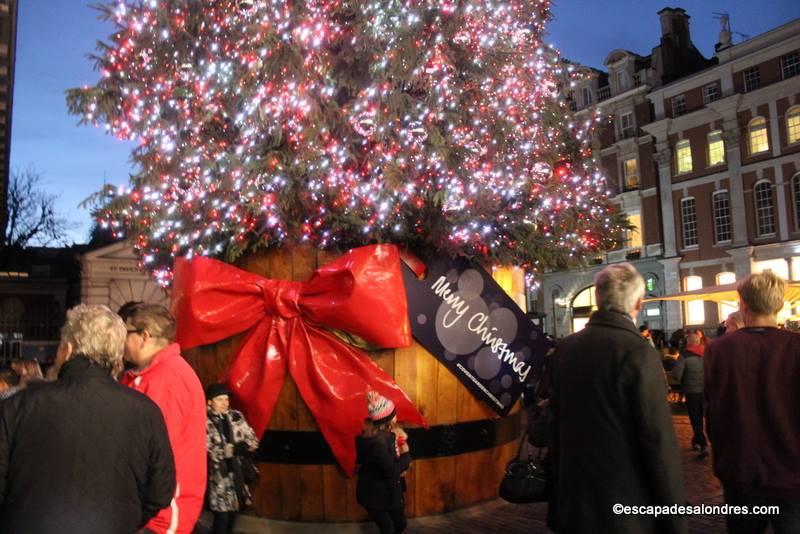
(472, 469)
(354, 511)
(447, 386)
(426, 384)
(411, 490)
(436, 492)
(335, 494)
(291, 492)
(312, 504)
(304, 262)
(267, 493)
(405, 371)
(284, 417)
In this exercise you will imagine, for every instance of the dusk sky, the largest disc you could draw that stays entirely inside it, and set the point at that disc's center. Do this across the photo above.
(54, 37)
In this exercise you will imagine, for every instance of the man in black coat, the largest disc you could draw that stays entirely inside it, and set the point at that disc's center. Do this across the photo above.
(614, 443)
(83, 454)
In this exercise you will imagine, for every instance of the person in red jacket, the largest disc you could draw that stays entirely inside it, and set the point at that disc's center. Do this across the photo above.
(159, 371)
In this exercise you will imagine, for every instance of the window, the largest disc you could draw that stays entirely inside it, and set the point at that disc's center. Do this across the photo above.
(586, 93)
(678, 105)
(626, 125)
(695, 309)
(716, 148)
(752, 79)
(790, 65)
(793, 124)
(757, 135)
(622, 81)
(689, 222)
(765, 212)
(726, 307)
(796, 199)
(683, 153)
(631, 172)
(633, 237)
(710, 93)
(722, 216)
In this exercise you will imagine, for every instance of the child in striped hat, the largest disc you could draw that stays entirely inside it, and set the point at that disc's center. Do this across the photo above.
(384, 456)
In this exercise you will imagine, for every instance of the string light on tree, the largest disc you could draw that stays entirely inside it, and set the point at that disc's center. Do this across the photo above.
(435, 124)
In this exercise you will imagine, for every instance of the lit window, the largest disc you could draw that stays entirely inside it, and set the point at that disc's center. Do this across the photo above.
(716, 148)
(631, 172)
(793, 124)
(678, 105)
(765, 211)
(695, 309)
(752, 79)
(796, 197)
(626, 125)
(722, 216)
(633, 237)
(726, 307)
(689, 222)
(757, 135)
(790, 65)
(683, 153)
(710, 93)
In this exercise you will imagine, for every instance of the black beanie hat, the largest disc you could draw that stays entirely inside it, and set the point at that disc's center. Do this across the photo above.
(215, 390)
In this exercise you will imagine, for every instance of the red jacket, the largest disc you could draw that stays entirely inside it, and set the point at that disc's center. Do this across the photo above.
(172, 384)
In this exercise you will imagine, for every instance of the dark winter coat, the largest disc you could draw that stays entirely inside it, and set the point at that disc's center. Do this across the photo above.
(380, 485)
(226, 487)
(82, 455)
(614, 442)
(752, 398)
(688, 372)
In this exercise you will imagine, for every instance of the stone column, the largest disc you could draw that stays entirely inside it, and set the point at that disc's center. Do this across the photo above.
(663, 157)
(732, 135)
(672, 284)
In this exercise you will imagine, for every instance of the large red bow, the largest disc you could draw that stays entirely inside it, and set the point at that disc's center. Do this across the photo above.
(362, 292)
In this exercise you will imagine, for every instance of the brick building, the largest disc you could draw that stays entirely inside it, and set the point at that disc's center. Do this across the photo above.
(8, 43)
(704, 157)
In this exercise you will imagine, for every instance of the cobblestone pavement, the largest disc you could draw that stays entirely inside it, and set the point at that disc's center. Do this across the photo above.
(501, 517)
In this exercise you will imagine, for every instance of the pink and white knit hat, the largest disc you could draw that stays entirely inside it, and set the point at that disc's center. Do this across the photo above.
(381, 409)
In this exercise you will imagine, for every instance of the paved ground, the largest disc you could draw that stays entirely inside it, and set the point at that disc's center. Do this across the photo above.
(499, 516)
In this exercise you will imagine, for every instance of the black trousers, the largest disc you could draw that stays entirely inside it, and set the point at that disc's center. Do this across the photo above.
(389, 521)
(694, 404)
(223, 522)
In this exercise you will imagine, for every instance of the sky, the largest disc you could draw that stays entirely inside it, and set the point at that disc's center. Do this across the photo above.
(54, 37)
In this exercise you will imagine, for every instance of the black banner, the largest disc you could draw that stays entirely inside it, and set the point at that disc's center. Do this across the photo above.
(465, 319)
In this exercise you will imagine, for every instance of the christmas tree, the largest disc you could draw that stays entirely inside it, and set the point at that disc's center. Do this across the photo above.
(440, 125)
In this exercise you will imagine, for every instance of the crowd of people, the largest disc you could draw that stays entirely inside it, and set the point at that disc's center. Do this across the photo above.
(608, 386)
(122, 437)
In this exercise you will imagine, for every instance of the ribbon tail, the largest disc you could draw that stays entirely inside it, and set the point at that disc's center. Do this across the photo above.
(257, 373)
(333, 379)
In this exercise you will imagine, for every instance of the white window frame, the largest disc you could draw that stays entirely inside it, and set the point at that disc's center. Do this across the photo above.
(710, 93)
(626, 186)
(790, 65)
(757, 132)
(678, 105)
(683, 154)
(793, 125)
(764, 206)
(694, 310)
(622, 80)
(719, 144)
(626, 130)
(689, 223)
(586, 96)
(751, 78)
(722, 216)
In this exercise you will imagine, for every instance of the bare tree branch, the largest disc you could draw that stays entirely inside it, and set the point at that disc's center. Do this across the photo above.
(32, 216)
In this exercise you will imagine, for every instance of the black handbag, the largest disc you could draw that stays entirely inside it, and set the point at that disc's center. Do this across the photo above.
(525, 479)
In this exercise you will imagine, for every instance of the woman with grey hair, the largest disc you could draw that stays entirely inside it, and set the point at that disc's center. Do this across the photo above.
(103, 449)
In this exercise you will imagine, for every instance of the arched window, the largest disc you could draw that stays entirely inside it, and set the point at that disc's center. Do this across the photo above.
(726, 308)
(796, 199)
(765, 208)
(757, 135)
(695, 309)
(793, 125)
(583, 305)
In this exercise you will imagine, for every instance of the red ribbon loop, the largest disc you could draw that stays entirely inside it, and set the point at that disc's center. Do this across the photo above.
(362, 293)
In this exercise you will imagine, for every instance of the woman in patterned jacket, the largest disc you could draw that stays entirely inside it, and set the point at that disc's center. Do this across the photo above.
(231, 443)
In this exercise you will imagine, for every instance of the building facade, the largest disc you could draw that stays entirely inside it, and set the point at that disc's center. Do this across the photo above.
(8, 44)
(703, 155)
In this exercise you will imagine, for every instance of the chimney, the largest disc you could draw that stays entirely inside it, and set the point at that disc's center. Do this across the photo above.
(675, 27)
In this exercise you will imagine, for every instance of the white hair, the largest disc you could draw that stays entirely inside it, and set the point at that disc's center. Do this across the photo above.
(96, 333)
(618, 288)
